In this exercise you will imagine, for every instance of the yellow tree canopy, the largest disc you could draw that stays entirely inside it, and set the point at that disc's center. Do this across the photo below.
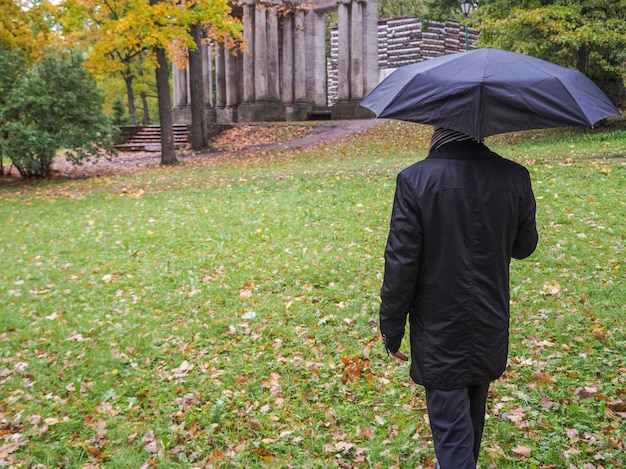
(115, 30)
(27, 26)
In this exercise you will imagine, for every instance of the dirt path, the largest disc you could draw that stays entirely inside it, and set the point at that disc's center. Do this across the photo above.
(324, 133)
(242, 141)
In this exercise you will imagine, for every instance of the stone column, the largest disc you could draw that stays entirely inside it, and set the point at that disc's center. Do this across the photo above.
(232, 78)
(299, 110)
(181, 97)
(260, 53)
(229, 83)
(343, 52)
(273, 64)
(370, 46)
(248, 53)
(220, 72)
(316, 58)
(358, 33)
(181, 111)
(299, 45)
(266, 105)
(356, 51)
(286, 78)
(207, 82)
(207, 73)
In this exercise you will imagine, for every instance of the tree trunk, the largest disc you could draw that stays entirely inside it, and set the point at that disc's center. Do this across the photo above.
(168, 153)
(130, 93)
(145, 109)
(198, 117)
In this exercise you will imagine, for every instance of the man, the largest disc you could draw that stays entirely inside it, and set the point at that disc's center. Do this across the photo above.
(458, 218)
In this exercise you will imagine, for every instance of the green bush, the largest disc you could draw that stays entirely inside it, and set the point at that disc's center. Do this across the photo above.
(12, 64)
(55, 104)
(31, 151)
(119, 113)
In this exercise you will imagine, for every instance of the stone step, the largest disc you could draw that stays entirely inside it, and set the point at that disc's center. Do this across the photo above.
(149, 139)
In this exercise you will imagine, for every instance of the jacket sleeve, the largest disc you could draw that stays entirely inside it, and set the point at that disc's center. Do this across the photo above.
(527, 237)
(402, 259)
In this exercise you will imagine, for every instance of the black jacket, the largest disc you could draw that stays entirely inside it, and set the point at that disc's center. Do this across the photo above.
(458, 218)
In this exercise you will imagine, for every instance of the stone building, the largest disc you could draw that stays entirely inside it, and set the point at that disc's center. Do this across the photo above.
(284, 73)
(281, 74)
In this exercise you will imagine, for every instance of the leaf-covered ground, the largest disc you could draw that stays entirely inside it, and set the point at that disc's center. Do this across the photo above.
(229, 146)
(224, 313)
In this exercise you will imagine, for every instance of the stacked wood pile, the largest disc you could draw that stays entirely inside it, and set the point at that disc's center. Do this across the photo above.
(405, 40)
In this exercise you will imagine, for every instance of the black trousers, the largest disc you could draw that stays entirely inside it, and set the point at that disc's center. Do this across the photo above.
(457, 419)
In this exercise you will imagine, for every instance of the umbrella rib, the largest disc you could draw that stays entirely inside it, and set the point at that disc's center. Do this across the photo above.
(575, 101)
(567, 90)
(479, 134)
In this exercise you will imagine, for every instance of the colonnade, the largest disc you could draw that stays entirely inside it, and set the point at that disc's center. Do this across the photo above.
(280, 74)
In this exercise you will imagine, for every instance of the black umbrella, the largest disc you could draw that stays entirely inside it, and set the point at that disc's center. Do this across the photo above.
(489, 91)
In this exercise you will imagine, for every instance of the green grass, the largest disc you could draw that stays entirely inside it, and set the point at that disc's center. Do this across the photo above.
(226, 315)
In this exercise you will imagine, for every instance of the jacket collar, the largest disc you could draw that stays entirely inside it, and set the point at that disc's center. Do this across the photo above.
(467, 150)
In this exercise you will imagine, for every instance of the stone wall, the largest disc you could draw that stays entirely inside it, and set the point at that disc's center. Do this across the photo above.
(403, 41)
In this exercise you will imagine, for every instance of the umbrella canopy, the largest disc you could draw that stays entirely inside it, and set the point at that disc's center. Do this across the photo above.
(489, 91)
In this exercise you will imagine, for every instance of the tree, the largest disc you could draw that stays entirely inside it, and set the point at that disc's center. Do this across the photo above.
(589, 35)
(13, 65)
(92, 25)
(198, 119)
(119, 113)
(55, 104)
(145, 90)
(395, 8)
(25, 32)
(134, 27)
(443, 9)
(26, 26)
(168, 153)
(202, 28)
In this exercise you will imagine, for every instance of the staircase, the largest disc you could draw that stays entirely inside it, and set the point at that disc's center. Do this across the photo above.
(148, 138)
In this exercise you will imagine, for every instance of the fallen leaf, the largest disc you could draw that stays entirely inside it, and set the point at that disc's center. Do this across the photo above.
(339, 447)
(108, 278)
(552, 289)
(618, 406)
(599, 333)
(184, 368)
(271, 381)
(546, 402)
(94, 452)
(586, 392)
(540, 377)
(522, 451)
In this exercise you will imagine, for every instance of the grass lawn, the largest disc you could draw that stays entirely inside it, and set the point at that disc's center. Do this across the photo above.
(227, 315)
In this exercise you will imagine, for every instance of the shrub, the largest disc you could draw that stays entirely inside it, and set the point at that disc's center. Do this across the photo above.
(119, 113)
(54, 105)
(12, 64)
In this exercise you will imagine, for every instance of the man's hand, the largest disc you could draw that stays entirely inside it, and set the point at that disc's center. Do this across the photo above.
(399, 355)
